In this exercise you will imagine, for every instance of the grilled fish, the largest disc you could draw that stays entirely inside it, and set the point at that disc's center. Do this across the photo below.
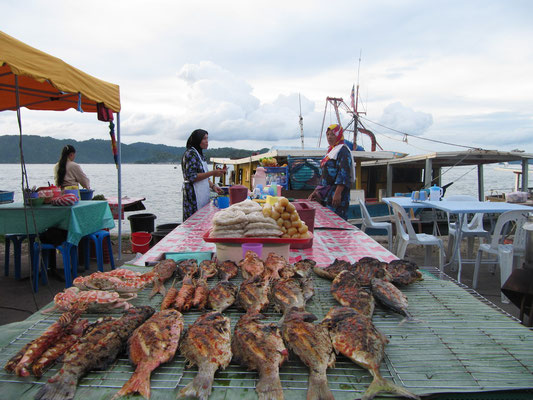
(332, 270)
(260, 347)
(274, 263)
(227, 270)
(185, 295)
(303, 267)
(222, 296)
(201, 291)
(349, 293)
(355, 336)
(251, 265)
(153, 343)
(253, 294)
(368, 268)
(96, 349)
(312, 344)
(404, 272)
(209, 268)
(207, 344)
(287, 293)
(170, 297)
(162, 272)
(187, 268)
(390, 297)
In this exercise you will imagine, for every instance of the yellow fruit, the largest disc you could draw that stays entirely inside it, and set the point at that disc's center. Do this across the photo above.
(303, 229)
(287, 224)
(291, 231)
(295, 216)
(283, 201)
(276, 215)
(280, 221)
(290, 208)
(286, 216)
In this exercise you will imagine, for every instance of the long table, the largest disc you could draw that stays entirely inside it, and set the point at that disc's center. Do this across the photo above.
(79, 220)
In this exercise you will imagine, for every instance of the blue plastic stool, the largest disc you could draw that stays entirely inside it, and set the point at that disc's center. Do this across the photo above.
(98, 239)
(70, 261)
(17, 240)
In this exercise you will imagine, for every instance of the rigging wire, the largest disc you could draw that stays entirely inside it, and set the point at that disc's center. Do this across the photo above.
(419, 137)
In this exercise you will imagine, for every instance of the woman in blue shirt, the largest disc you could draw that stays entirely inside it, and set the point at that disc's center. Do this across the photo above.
(337, 174)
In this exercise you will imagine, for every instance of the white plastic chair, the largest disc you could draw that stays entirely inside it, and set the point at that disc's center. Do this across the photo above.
(368, 223)
(406, 235)
(470, 230)
(497, 248)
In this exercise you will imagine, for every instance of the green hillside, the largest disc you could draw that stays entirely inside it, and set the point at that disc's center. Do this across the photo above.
(46, 150)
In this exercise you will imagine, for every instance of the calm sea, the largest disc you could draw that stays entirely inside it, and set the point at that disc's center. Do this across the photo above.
(161, 184)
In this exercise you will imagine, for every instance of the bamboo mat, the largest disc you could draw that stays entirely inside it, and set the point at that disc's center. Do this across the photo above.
(457, 344)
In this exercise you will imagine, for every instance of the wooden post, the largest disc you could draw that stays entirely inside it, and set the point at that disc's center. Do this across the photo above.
(525, 177)
(389, 180)
(428, 173)
(358, 175)
(480, 183)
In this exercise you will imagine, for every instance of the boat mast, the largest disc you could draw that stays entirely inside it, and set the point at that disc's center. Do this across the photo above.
(301, 122)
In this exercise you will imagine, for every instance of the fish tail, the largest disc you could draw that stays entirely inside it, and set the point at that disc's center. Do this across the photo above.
(158, 288)
(269, 386)
(201, 385)
(382, 385)
(139, 382)
(318, 388)
(60, 387)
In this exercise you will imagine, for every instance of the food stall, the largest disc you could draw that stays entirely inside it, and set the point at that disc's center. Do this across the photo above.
(457, 342)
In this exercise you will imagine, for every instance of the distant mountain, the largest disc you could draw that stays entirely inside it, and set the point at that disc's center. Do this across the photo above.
(46, 150)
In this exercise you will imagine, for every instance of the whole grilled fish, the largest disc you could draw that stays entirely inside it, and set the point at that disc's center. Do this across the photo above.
(332, 270)
(209, 268)
(227, 270)
(274, 263)
(287, 293)
(187, 268)
(201, 291)
(368, 268)
(98, 347)
(303, 267)
(404, 272)
(260, 347)
(346, 289)
(153, 343)
(253, 294)
(162, 271)
(207, 344)
(222, 296)
(312, 344)
(391, 297)
(355, 336)
(251, 265)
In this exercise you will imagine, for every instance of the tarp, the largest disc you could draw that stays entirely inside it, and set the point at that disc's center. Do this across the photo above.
(47, 82)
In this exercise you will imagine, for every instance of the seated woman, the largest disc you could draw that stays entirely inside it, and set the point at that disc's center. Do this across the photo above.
(67, 172)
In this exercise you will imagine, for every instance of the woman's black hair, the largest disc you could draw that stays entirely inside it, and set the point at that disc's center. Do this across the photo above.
(62, 167)
(194, 141)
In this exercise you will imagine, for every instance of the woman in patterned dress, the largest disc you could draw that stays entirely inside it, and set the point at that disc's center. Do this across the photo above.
(196, 183)
(337, 174)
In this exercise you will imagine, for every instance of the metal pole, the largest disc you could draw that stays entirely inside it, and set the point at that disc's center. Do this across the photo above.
(480, 183)
(119, 177)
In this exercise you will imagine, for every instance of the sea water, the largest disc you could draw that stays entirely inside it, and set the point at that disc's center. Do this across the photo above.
(161, 184)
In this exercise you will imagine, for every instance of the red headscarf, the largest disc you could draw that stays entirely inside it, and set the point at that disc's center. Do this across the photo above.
(339, 141)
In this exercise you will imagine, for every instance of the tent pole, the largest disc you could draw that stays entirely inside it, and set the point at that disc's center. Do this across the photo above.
(119, 190)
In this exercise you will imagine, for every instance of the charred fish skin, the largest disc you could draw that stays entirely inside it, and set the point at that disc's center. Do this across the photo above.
(95, 349)
(368, 268)
(287, 293)
(312, 344)
(346, 289)
(253, 294)
(404, 272)
(207, 344)
(260, 347)
(227, 270)
(355, 336)
(332, 270)
(222, 296)
(153, 343)
(390, 297)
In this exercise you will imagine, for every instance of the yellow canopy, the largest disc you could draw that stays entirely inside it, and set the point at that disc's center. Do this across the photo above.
(47, 83)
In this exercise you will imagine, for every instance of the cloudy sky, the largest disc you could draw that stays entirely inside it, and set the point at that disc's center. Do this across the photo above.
(458, 72)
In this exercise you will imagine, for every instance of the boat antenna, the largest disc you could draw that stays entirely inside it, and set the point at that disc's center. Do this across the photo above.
(356, 103)
(301, 121)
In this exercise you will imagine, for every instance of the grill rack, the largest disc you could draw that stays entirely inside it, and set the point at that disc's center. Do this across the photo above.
(414, 358)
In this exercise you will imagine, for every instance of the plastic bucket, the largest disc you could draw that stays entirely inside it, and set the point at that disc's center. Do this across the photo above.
(86, 194)
(166, 227)
(140, 242)
(158, 235)
(237, 193)
(142, 222)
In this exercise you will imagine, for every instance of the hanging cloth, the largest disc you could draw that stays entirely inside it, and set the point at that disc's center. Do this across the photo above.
(201, 188)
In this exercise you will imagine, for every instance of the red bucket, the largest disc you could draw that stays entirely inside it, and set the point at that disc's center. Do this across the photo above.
(140, 242)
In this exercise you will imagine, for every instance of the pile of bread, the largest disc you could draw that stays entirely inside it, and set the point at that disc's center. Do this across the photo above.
(249, 219)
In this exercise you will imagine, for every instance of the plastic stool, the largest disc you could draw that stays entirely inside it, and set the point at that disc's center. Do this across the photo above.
(70, 261)
(98, 239)
(17, 240)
